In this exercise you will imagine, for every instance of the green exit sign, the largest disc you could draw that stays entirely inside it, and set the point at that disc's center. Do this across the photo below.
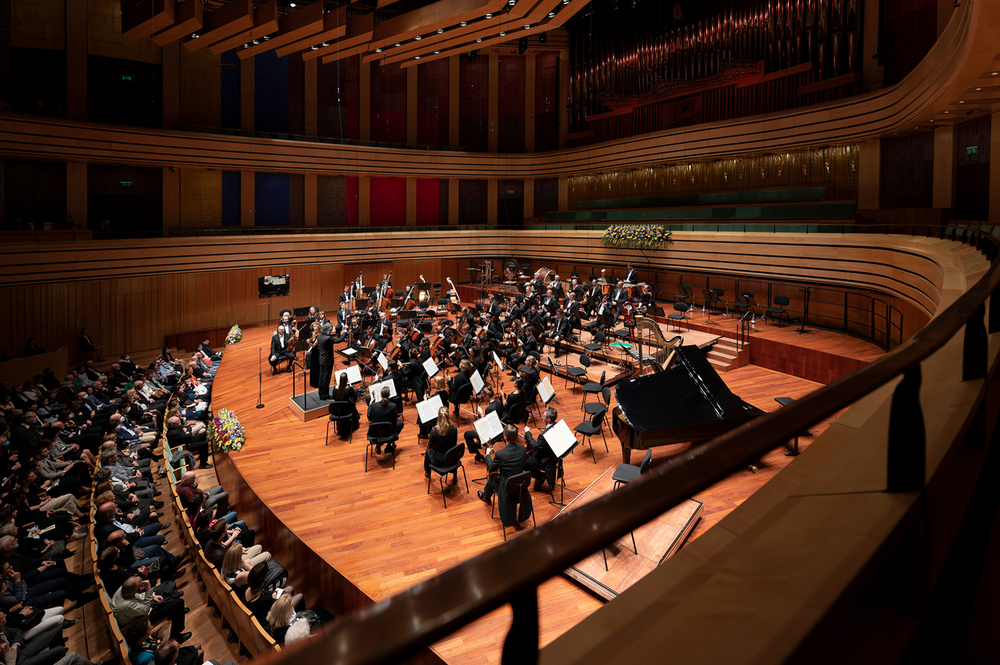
(510, 191)
(125, 183)
(971, 150)
(126, 77)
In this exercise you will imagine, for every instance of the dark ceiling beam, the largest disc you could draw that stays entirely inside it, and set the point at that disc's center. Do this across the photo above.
(334, 28)
(224, 22)
(265, 21)
(146, 18)
(296, 25)
(188, 19)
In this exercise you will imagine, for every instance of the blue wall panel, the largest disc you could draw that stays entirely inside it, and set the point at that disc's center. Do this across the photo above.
(230, 198)
(271, 93)
(271, 199)
(231, 91)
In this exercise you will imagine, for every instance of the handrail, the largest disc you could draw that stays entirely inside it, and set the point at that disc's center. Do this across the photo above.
(511, 572)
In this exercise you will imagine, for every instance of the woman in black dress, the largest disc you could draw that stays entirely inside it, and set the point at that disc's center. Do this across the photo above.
(440, 387)
(346, 393)
(443, 438)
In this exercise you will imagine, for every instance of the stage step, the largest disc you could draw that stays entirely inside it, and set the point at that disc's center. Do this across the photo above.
(725, 356)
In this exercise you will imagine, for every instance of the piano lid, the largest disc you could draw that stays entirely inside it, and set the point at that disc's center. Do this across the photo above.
(690, 393)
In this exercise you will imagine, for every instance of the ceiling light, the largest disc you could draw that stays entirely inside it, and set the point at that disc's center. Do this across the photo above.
(464, 23)
(266, 37)
(292, 5)
(527, 27)
(436, 52)
(195, 35)
(416, 57)
(378, 50)
(961, 101)
(565, 2)
(256, 42)
(511, 2)
(314, 47)
(418, 38)
(326, 43)
(440, 30)
(489, 16)
(552, 14)
(994, 73)
(978, 89)
(245, 45)
(397, 43)
(479, 39)
(947, 111)
(502, 34)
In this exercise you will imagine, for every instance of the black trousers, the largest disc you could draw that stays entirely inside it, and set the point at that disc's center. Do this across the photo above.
(325, 374)
(173, 609)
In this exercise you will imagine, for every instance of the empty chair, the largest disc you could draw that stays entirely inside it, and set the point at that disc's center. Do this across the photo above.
(516, 488)
(589, 428)
(777, 308)
(741, 305)
(593, 389)
(381, 434)
(626, 473)
(685, 294)
(595, 345)
(341, 412)
(577, 372)
(452, 463)
(594, 408)
(679, 316)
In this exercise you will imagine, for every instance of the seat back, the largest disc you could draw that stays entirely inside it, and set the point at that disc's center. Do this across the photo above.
(454, 454)
(518, 483)
(719, 292)
(781, 301)
(341, 409)
(687, 291)
(603, 375)
(382, 432)
(518, 414)
(598, 419)
(464, 394)
(680, 307)
(584, 360)
(644, 467)
(599, 337)
(606, 394)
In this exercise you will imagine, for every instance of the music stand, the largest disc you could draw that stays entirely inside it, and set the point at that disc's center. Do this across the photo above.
(805, 316)
(562, 442)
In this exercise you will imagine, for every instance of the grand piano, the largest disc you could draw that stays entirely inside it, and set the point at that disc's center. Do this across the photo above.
(687, 402)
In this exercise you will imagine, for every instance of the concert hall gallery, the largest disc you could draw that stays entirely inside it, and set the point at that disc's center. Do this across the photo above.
(502, 331)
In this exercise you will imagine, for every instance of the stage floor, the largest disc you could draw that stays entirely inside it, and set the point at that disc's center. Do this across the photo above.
(383, 532)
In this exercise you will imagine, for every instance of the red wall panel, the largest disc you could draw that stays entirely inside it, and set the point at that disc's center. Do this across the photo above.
(510, 104)
(473, 106)
(432, 103)
(388, 103)
(428, 203)
(388, 202)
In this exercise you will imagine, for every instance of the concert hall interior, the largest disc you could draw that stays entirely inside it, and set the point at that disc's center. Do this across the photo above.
(451, 331)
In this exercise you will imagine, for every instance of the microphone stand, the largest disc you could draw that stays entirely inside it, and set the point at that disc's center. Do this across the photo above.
(805, 314)
(260, 379)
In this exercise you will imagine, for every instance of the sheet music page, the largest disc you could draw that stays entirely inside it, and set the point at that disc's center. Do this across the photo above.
(353, 375)
(477, 382)
(497, 360)
(375, 390)
(545, 390)
(488, 427)
(428, 409)
(383, 361)
(349, 352)
(560, 438)
(430, 367)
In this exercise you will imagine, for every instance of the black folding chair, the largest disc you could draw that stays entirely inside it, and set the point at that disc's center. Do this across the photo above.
(381, 434)
(515, 486)
(340, 412)
(452, 463)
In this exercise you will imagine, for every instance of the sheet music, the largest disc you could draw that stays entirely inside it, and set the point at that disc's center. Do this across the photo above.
(428, 409)
(545, 390)
(489, 427)
(383, 361)
(477, 382)
(350, 352)
(430, 367)
(497, 360)
(353, 375)
(375, 390)
(560, 438)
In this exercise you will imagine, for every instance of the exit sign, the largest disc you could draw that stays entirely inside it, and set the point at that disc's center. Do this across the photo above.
(126, 77)
(510, 191)
(971, 150)
(125, 183)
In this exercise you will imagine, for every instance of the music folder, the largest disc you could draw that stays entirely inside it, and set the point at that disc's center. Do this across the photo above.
(497, 360)
(427, 410)
(349, 352)
(560, 438)
(375, 389)
(383, 361)
(430, 367)
(489, 427)
(353, 375)
(545, 390)
(477, 382)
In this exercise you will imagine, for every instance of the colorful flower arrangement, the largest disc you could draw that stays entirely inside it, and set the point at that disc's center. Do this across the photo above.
(226, 432)
(234, 335)
(635, 235)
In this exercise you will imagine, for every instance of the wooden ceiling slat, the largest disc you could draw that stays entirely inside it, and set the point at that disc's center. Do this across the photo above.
(222, 23)
(359, 33)
(265, 21)
(292, 27)
(147, 17)
(188, 18)
(334, 28)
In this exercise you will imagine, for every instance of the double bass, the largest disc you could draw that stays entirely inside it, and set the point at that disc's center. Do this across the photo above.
(383, 302)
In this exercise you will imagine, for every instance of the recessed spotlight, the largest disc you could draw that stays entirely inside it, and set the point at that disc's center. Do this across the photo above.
(464, 23)
(440, 30)
(527, 27)
(416, 57)
(511, 2)
(489, 16)
(436, 52)
(552, 14)
(565, 2)
(378, 50)
(502, 34)
(994, 73)
(292, 5)
(397, 43)
(246, 46)
(961, 101)
(195, 35)
(947, 111)
(266, 37)
(418, 38)
(479, 39)
(314, 47)
(326, 43)
(256, 42)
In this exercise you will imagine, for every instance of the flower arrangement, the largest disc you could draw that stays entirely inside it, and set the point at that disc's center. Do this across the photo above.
(635, 235)
(234, 335)
(226, 432)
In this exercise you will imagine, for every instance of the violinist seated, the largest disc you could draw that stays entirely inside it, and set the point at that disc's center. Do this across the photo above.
(516, 313)
(438, 387)
(494, 330)
(460, 381)
(382, 332)
(384, 411)
(493, 308)
(394, 375)
(541, 460)
(281, 349)
(414, 375)
(529, 345)
(506, 462)
(442, 438)
(573, 309)
(496, 403)
(346, 393)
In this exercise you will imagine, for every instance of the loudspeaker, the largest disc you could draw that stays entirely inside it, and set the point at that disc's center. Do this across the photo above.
(522, 45)
(542, 38)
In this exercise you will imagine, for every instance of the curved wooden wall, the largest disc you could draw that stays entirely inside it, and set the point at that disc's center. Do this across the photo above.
(963, 52)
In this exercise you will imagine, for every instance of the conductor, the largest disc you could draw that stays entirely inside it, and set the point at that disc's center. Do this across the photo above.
(325, 345)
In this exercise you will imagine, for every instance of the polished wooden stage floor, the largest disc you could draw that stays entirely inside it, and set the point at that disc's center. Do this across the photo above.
(383, 533)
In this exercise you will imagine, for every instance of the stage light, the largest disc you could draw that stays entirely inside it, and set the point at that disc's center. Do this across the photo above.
(479, 39)
(440, 30)
(255, 42)
(378, 50)
(527, 27)
(502, 34)
(552, 14)
(489, 16)
(464, 23)
(418, 38)
(436, 52)
(314, 47)
(397, 43)
(416, 57)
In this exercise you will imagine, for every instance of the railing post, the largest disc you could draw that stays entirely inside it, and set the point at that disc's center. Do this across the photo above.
(995, 312)
(521, 645)
(907, 443)
(975, 346)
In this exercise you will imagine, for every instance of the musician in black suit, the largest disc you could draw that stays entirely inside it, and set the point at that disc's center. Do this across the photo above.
(394, 375)
(631, 275)
(551, 303)
(324, 343)
(345, 297)
(619, 294)
(280, 349)
(572, 307)
(383, 332)
(460, 380)
(494, 307)
(472, 442)
(507, 462)
(561, 330)
(384, 411)
(493, 327)
(541, 461)
(343, 317)
(535, 318)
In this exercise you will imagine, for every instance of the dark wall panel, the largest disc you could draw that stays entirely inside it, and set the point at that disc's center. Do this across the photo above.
(296, 200)
(352, 200)
(972, 158)
(271, 199)
(331, 200)
(337, 97)
(510, 104)
(546, 102)
(270, 92)
(510, 204)
(130, 197)
(472, 202)
(432, 103)
(124, 91)
(473, 106)
(35, 192)
(546, 196)
(230, 90)
(231, 198)
(388, 201)
(910, 31)
(388, 103)
(296, 96)
(908, 171)
(37, 75)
